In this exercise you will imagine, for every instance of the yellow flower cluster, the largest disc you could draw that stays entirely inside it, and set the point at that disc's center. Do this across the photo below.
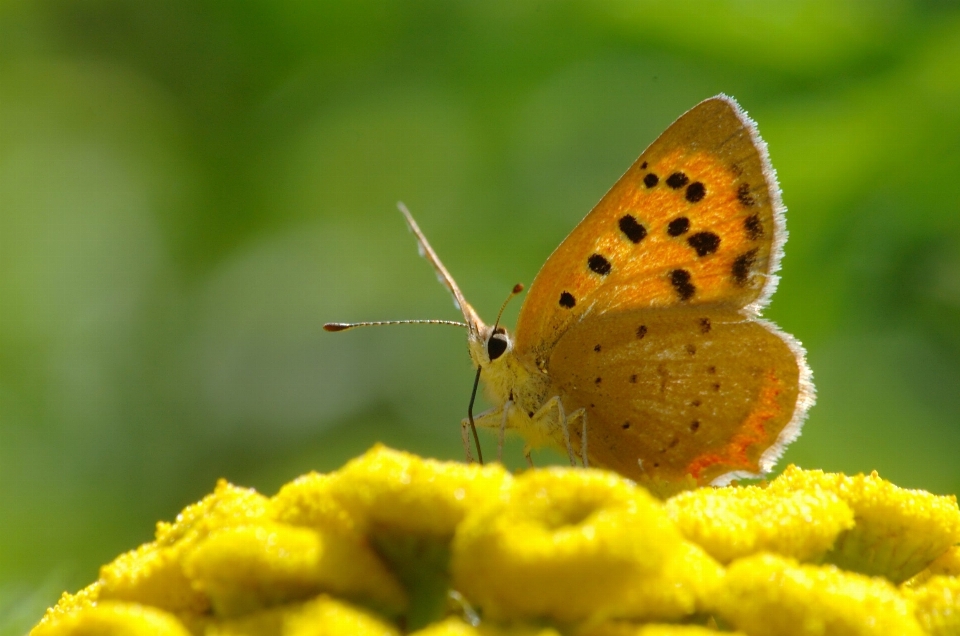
(394, 544)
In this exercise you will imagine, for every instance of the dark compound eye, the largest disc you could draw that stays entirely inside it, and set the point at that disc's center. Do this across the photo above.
(496, 346)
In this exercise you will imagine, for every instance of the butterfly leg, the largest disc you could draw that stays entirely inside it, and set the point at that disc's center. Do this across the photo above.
(503, 429)
(582, 415)
(526, 453)
(465, 435)
(552, 413)
(488, 419)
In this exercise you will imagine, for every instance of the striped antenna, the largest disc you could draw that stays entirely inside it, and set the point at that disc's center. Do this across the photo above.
(343, 326)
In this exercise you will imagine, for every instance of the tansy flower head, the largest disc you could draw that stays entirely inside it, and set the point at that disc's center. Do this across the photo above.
(897, 532)
(947, 564)
(394, 544)
(937, 605)
(738, 521)
(767, 594)
(531, 554)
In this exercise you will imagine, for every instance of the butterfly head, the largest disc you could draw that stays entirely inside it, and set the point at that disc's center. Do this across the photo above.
(488, 344)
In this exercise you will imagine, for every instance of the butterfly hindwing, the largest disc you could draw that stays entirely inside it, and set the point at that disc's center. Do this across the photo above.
(697, 220)
(688, 391)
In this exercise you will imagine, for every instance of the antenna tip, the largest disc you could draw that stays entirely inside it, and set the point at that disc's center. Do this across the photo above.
(518, 288)
(335, 326)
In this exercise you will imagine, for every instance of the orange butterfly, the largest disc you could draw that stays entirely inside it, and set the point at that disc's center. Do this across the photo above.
(638, 347)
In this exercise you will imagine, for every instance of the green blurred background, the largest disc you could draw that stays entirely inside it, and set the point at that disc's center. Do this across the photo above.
(188, 190)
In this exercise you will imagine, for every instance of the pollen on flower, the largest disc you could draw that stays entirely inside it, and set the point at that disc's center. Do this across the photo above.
(152, 575)
(733, 522)
(771, 595)
(898, 532)
(394, 544)
(326, 615)
(621, 628)
(397, 490)
(457, 627)
(937, 605)
(530, 554)
(229, 505)
(113, 617)
(308, 501)
(947, 564)
(247, 568)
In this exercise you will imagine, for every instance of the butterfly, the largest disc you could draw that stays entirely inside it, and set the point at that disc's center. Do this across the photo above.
(639, 346)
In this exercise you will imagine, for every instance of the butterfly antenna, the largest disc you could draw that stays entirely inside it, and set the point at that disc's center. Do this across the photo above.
(513, 292)
(343, 326)
(469, 316)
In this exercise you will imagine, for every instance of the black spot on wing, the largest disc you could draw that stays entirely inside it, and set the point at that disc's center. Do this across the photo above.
(753, 227)
(641, 331)
(631, 229)
(741, 267)
(651, 180)
(704, 243)
(567, 300)
(744, 197)
(680, 279)
(598, 264)
(678, 226)
(705, 325)
(643, 166)
(695, 192)
(677, 180)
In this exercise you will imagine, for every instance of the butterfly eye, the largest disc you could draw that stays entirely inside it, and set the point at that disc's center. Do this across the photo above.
(496, 345)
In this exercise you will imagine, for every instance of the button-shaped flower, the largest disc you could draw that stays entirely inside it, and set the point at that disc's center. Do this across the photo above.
(897, 532)
(733, 522)
(568, 544)
(770, 595)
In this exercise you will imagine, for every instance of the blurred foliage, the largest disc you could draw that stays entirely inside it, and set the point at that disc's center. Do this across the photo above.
(189, 189)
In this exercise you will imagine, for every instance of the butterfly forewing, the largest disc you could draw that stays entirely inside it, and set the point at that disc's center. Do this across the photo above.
(695, 221)
(687, 391)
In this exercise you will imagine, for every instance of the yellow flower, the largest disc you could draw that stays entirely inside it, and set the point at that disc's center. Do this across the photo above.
(947, 564)
(308, 501)
(395, 544)
(319, 617)
(736, 521)
(630, 629)
(229, 505)
(457, 627)
(403, 493)
(898, 532)
(531, 554)
(152, 575)
(112, 618)
(768, 594)
(246, 568)
(938, 605)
